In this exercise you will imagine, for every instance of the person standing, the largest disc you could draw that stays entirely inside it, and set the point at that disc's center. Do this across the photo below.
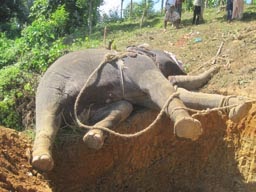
(171, 14)
(229, 10)
(197, 11)
(178, 6)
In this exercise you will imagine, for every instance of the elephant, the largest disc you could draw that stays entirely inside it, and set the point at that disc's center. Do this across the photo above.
(136, 77)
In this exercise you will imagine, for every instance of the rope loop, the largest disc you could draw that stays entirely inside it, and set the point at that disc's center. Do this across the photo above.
(112, 57)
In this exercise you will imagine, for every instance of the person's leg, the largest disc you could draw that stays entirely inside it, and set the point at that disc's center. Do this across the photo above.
(165, 24)
(198, 13)
(194, 16)
(166, 18)
(179, 8)
(229, 15)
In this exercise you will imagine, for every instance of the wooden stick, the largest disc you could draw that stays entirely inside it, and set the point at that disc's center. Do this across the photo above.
(218, 52)
(105, 35)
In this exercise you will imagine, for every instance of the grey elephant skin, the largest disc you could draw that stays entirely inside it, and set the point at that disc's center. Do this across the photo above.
(139, 78)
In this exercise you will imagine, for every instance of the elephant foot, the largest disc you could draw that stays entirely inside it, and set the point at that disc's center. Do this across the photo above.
(188, 128)
(94, 139)
(43, 162)
(238, 112)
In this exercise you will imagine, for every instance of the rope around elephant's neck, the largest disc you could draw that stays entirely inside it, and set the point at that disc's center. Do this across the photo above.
(113, 57)
(109, 58)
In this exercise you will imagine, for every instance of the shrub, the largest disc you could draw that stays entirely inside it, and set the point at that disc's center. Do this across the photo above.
(17, 90)
(42, 41)
(7, 53)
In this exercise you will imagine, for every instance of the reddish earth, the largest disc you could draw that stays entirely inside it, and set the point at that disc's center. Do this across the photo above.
(16, 173)
(222, 160)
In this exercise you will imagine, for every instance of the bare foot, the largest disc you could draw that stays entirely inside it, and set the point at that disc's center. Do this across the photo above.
(43, 162)
(188, 128)
(94, 139)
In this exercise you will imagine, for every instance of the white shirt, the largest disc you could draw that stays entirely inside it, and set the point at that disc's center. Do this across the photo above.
(197, 2)
(168, 3)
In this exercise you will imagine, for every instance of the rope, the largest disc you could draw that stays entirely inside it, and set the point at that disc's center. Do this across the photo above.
(109, 58)
(136, 134)
(112, 57)
(207, 111)
(121, 67)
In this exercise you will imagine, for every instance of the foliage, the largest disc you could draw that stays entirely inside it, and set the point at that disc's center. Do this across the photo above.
(16, 14)
(188, 5)
(40, 44)
(8, 51)
(16, 86)
(139, 9)
(78, 12)
(13, 15)
(40, 8)
(42, 41)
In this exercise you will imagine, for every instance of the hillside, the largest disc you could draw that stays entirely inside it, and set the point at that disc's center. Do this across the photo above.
(222, 160)
(236, 57)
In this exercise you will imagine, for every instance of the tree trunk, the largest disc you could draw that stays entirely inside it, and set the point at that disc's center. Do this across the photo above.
(162, 6)
(121, 11)
(131, 9)
(90, 17)
(144, 13)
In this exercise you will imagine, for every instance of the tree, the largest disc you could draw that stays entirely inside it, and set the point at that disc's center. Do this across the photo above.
(82, 13)
(13, 15)
(139, 10)
(162, 6)
(121, 11)
(90, 17)
(131, 8)
(147, 8)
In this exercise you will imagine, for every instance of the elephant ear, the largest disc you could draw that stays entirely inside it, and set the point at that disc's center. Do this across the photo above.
(168, 64)
(142, 50)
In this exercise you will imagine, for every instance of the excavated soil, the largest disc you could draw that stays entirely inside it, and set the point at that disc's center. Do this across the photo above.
(16, 173)
(222, 160)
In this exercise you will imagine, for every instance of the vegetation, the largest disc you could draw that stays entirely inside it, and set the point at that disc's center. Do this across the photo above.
(34, 33)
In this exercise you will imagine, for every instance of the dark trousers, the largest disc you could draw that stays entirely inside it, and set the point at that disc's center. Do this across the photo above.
(229, 11)
(229, 16)
(197, 13)
(179, 8)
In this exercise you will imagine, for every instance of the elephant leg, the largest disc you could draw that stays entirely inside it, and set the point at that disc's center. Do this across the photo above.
(159, 90)
(193, 82)
(107, 116)
(203, 101)
(47, 127)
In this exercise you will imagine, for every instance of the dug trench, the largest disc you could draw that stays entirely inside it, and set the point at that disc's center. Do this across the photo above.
(223, 159)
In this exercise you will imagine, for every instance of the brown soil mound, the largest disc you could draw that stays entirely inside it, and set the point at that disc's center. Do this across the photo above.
(16, 173)
(223, 159)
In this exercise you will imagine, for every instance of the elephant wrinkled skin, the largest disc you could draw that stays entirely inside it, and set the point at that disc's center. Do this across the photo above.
(141, 77)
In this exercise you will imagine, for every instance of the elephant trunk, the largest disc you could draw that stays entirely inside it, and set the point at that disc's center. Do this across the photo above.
(193, 82)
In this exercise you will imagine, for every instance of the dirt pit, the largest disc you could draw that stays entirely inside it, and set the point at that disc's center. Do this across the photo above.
(222, 160)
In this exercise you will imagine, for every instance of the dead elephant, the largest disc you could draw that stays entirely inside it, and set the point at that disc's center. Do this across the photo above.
(138, 77)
